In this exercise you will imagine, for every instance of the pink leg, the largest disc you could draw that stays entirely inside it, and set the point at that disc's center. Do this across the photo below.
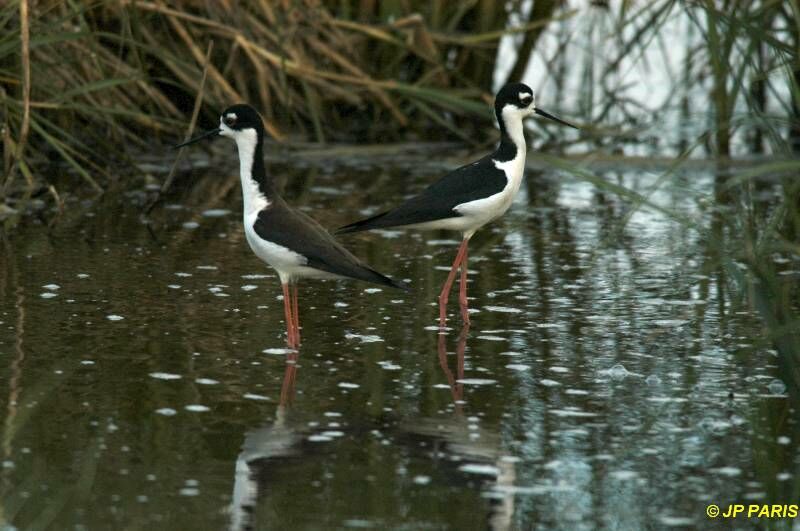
(287, 310)
(462, 290)
(443, 296)
(296, 313)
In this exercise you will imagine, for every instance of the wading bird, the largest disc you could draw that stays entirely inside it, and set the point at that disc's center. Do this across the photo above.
(470, 196)
(292, 243)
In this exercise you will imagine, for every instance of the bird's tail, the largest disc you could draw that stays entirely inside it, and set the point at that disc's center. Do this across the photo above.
(373, 222)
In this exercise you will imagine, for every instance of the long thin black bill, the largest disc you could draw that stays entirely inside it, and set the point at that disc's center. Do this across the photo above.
(551, 117)
(198, 138)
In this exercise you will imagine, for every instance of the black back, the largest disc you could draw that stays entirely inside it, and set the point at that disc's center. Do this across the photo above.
(468, 183)
(290, 228)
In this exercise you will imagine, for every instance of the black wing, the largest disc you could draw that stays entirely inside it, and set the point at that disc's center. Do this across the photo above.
(467, 183)
(292, 229)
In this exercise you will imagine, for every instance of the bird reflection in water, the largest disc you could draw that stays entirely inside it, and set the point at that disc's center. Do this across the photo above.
(478, 447)
(456, 387)
(275, 440)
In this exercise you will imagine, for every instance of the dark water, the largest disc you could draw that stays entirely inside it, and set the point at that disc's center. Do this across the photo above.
(612, 377)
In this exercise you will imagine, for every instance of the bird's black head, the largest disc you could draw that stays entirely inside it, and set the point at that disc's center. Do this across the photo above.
(516, 101)
(240, 117)
(514, 97)
(241, 122)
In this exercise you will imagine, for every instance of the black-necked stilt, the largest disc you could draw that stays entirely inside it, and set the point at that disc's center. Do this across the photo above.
(473, 195)
(292, 243)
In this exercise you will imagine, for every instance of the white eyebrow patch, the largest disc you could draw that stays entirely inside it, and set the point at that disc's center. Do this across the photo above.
(525, 95)
(231, 115)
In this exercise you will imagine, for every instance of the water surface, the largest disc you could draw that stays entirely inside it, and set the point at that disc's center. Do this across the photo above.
(612, 377)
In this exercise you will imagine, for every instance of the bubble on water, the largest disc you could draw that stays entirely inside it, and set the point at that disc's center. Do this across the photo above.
(338, 304)
(52, 287)
(332, 414)
(319, 438)
(253, 396)
(548, 383)
(502, 309)
(182, 274)
(82, 275)
(492, 338)
(784, 440)
(578, 392)
(349, 385)
(422, 480)
(255, 276)
(277, 351)
(667, 399)
(389, 366)
(249, 287)
(476, 468)
(332, 433)
(87, 362)
(618, 372)
(624, 475)
(372, 290)
(190, 225)
(165, 376)
(206, 381)
(510, 353)
(676, 521)
(441, 386)
(783, 476)
(189, 491)
(476, 381)
(48, 295)
(197, 408)
(215, 213)
(114, 317)
(653, 379)
(670, 323)
(166, 411)
(777, 387)
(364, 338)
(572, 412)
(562, 370)
(207, 267)
(174, 286)
(517, 367)
(728, 471)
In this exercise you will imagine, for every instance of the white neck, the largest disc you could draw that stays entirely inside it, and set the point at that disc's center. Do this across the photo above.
(254, 200)
(512, 119)
(514, 169)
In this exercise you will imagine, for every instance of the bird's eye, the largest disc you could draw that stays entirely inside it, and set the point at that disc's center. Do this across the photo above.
(229, 120)
(525, 100)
